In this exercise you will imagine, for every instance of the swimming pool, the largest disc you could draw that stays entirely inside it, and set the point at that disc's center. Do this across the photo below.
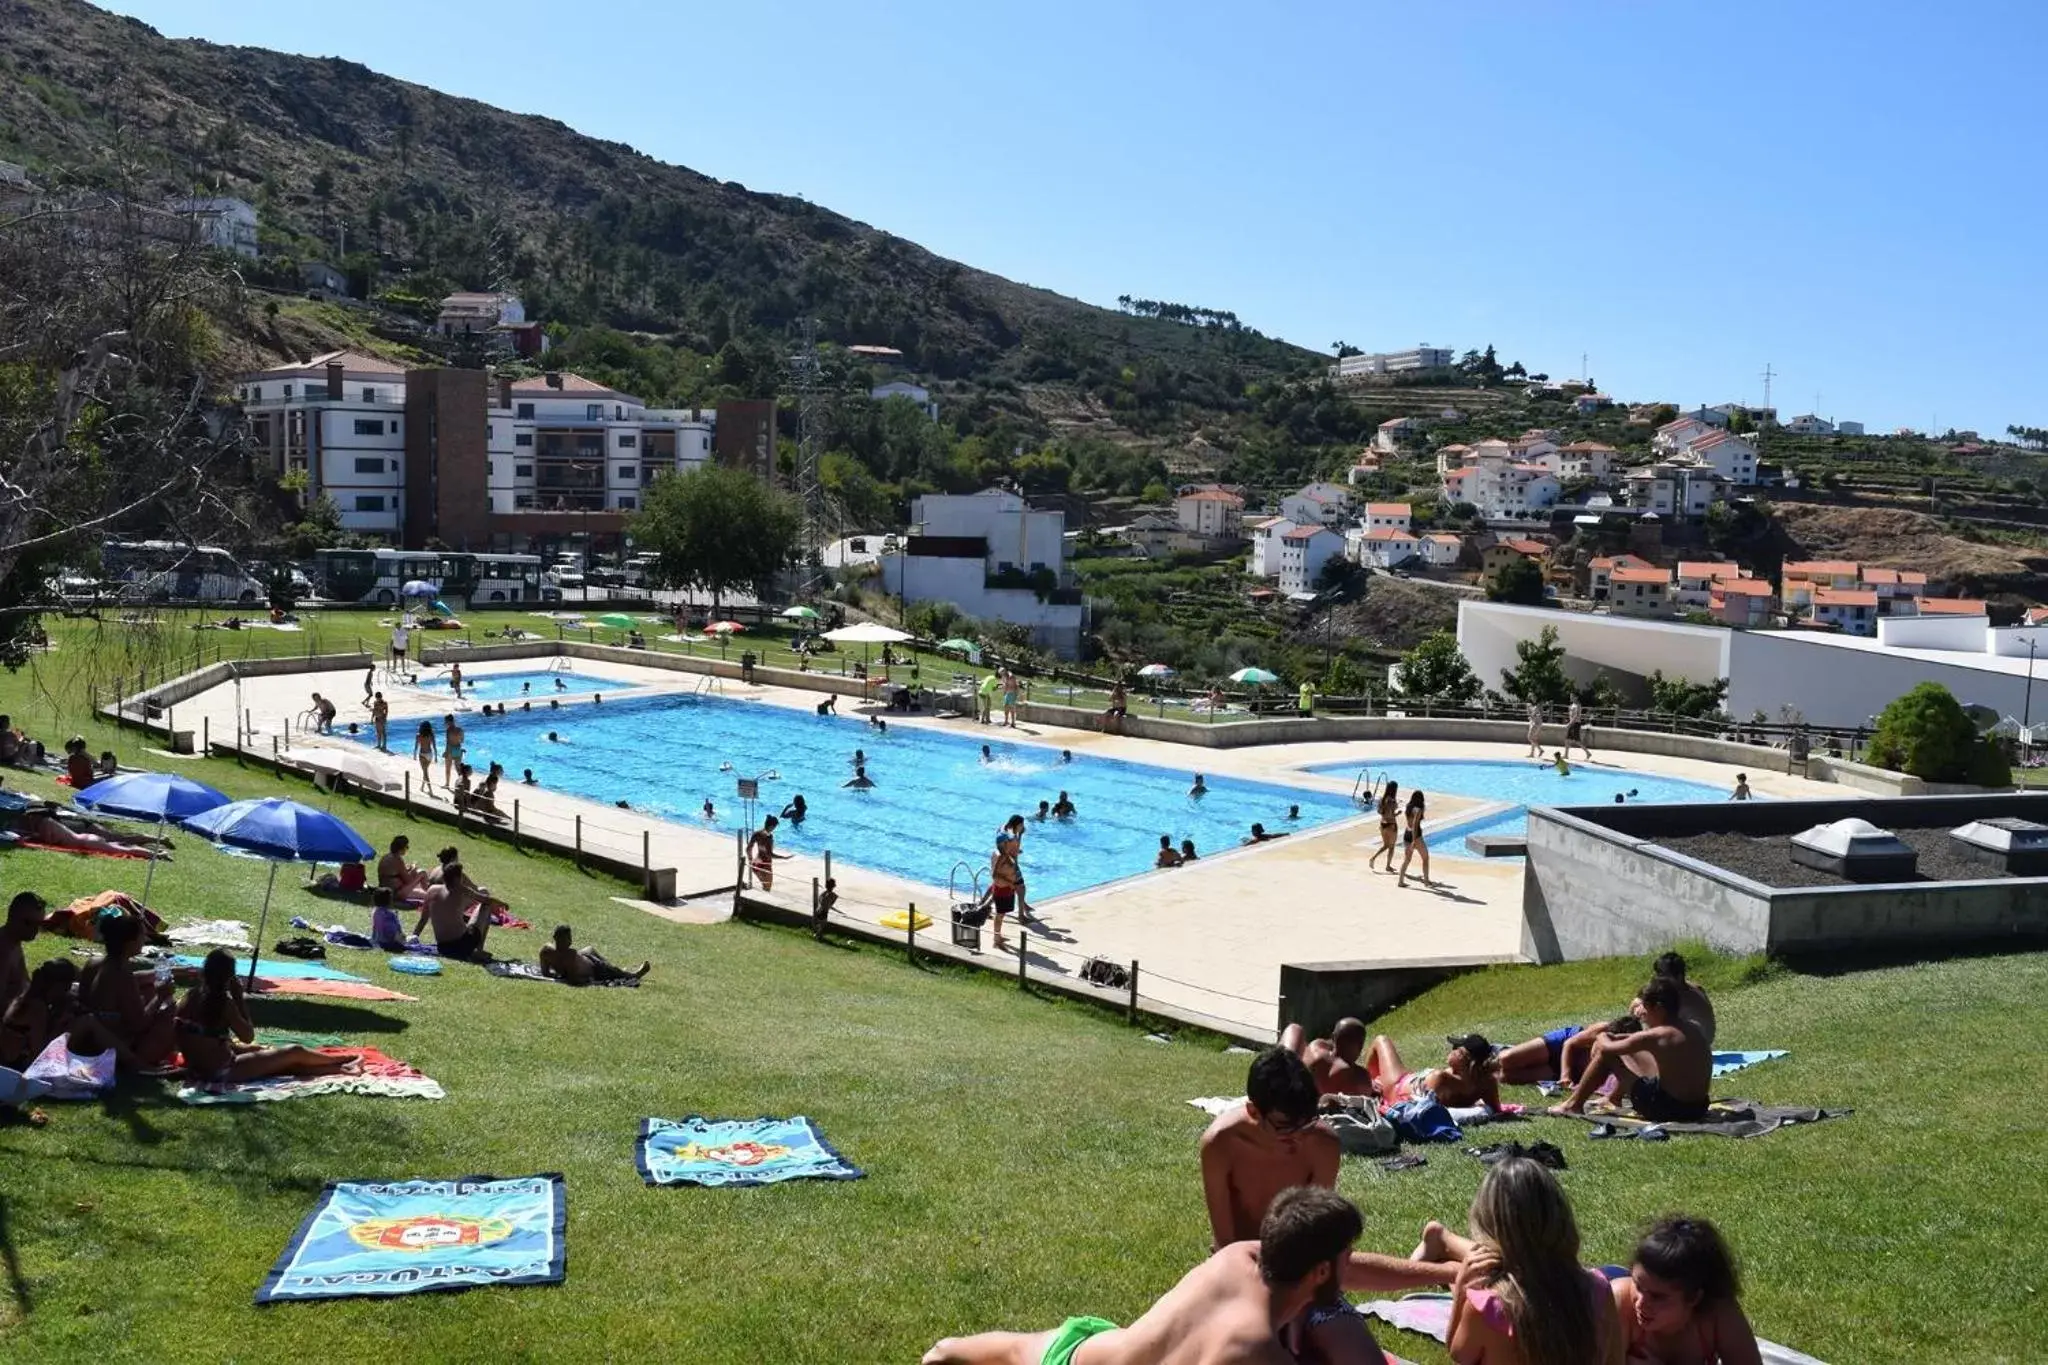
(514, 687)
(1525, 783)
(934, 801)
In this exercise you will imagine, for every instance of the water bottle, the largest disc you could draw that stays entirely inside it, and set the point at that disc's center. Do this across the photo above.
(163, 972)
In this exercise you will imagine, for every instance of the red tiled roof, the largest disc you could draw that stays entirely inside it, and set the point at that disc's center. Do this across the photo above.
(1689, 568)
(1951, 606)
(1387, 533)
(1389, 509)
(1463, 472)
(1307, 533)
(1872, 574)
(1912, 576)
(1821, 568)
(1643, 575)
(571, 384)
(1527, 547)
(1843, 597)
(1443, 538)
(1743, 587)
(1212, 495)
(1588, 448)
(1620, 562)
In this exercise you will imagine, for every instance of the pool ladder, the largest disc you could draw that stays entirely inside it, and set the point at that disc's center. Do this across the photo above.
(1364, 790)
(710, 682)
(953, 900)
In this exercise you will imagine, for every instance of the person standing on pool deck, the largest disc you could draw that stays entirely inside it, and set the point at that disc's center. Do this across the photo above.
(1005, 873)
(761, 854)
(399, 657)
(455, 679)
(985, 698)
(423, 750)
(451, 750)
(1010, 687)
(1389, 808)
(369, 684)
(1413, 840)
(1575, 731)
(1535, 729)
(380, 721)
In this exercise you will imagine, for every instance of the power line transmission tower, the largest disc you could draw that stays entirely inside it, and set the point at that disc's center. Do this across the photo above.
(807, 378)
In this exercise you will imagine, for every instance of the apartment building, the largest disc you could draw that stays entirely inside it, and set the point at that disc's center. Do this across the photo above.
(1213, 513)
(1743, 602)
(1733, 458)
(563, 443)
(996, 559)
(1683, 488)
(338, 420)
(1323, 504)
(1853, 611)
(1798, 579)
(1697, 580)
(1419, 360)
(1600, 573)
(1304, 550)
(1382, 547)
(1389, 516)
(1502, 487)
(1642, 591)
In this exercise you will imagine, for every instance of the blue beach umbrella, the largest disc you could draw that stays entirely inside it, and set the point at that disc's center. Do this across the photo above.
(279, 831)
(417, 588)
(149, 796)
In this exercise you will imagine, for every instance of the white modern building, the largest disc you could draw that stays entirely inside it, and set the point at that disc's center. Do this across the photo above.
(1304, 551)
(229, 224)
(1500, 486)
(338, 420)
(1382, 547)
(1832, 681)
(990, 555)
(914, 393)
(1212, 513)
(1420, 360)
(1674, 436)
(1733, 458)
(1441, 549)
(1388, 516)
(1323, 504)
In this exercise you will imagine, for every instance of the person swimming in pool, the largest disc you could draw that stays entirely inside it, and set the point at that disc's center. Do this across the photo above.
(795, 811)
(561, 685)
(1044, 811)
(986, 756)
(1558, 761)
(1201, 788)
(554, 738)
(1066, 755)
(1187, 850)
(710, 811)
(1261, 835)
(1063, 809)
(860, 781)
(529, 779)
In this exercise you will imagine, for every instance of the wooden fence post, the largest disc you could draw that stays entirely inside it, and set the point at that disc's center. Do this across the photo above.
(515, 822)
(579, 841)
(1132, 1012)
(910, 935)
(1023, 938)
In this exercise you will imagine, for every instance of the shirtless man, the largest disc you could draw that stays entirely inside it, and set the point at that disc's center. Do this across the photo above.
(1694, 1007)
(581, 966)
(1333, 1061)
(24, 922)
(1239, 1307)
(1467, 1077)
(460, 914)
(1561, 1053)
(1667, 1065)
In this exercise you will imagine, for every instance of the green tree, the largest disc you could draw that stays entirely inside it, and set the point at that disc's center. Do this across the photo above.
(1520, 581)
(1927, 734)
(1435, 669)
(1684, 697)
(715, 528)
(1539, 674)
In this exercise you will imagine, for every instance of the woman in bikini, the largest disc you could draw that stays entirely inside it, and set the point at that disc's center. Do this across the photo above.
(1678, 1304)
(451, 750)
(1390, 824)
(1470, 1074)
(1521, 1296)
(220, 1045)
(761, 854)
(1412, 839)
(141, 1029)
(423, 749)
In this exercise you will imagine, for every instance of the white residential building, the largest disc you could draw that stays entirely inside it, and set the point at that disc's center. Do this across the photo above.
(1807, 424)
(903, 388)
(1699, 579)
(564, 442)
(1213, 513)
(1304, 551)
(1500, 486)
(1381, 548)
(1396, 516)
(1325, 504)
(1579, 460)
(1675, 488)
(1416, 361)
(1441, 549)
(1265, 557)
(467, 313)
(982, 552)
(1390, 433)
(338, 419)
(229, 224)
(1733, 458)
(1674, 436)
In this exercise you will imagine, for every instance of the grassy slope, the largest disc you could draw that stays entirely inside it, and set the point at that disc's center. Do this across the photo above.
(1025, 1159)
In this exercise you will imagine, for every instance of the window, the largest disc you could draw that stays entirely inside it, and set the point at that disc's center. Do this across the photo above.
(626, 473)
(369, 395)
(287, 390)
(369, 426)
(524, 438)
(593, 412)
(628, 442)
(370, 466)
(369, 502)
(625, 504)
(522, 471)
(526, 412)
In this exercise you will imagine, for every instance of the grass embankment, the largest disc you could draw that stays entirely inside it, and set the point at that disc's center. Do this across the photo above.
(1026, 1159)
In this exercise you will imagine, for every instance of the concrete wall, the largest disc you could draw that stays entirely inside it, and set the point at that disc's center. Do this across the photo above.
(1820, 919)
(1317, 994)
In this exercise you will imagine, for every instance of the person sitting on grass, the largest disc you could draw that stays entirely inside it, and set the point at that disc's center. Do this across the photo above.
(17, 750)
(1666, 1066)
(1275, 1298)
(460, 912)
(1467, 1077)
(1694, 1008)
(581, 966)
(39, 1013)
(1333, 1061)
(385, 930)
(1168, 855)
(1561, 1053)
(24, 921)
(140, 1027)
(1521, 1297)
(219, 1043)
(394, 874)
(109, 765)
(1679, 1303)
(79, 772)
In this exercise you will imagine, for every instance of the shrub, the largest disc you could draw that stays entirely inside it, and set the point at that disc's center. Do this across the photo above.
(1926, 734)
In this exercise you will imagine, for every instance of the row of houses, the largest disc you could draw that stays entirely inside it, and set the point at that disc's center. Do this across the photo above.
(1832, 595)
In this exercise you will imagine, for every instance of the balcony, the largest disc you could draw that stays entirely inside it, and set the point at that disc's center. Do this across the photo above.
(568, 478)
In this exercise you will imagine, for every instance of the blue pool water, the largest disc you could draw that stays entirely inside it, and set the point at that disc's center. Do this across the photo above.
(506, 686)
(934, 800)
(1527, 784)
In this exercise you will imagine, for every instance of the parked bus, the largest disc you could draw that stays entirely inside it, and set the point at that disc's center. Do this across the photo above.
(375, 578)
(169, 570)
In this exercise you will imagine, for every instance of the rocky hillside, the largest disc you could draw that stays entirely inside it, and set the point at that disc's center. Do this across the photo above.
(439, 192)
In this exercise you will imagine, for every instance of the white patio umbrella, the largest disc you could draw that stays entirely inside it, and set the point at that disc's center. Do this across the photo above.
(867, 634)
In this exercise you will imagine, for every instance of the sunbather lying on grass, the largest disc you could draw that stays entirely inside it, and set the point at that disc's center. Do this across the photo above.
(581, 966)
(220, 1044)
(1679, 1304)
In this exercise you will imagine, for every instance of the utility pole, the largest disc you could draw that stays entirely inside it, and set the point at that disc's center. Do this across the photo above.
(1769, 375)
(806, 375)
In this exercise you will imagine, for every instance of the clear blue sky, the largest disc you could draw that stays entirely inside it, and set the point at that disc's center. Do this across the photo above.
(1850, 190)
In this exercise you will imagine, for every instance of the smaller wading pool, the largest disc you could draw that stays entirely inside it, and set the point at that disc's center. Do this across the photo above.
(517, 686)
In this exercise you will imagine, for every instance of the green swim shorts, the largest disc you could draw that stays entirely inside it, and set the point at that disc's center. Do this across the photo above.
(1060, 1350)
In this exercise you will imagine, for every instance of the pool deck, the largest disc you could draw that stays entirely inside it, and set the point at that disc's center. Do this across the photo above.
(1210, 938)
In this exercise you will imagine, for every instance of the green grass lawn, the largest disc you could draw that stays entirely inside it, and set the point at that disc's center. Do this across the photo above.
(1026, 1159)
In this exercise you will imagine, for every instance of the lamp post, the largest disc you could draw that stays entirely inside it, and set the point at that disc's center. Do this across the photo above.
(749, 789)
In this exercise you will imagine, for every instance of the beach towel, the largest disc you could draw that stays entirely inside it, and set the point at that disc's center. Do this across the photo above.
(1725, 1118)
(276, 969)
(381, 1075)
(372, 1239)
(80, 919)
(17, 1089)
(1214, 1105)
(527, 971)
(81, 852)
(331, 990)
(210, 933)
(282, 1037)
(1728, 1063)
(763, 1151)
(505, 919)
(70, 1075)
(1429, 1315)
